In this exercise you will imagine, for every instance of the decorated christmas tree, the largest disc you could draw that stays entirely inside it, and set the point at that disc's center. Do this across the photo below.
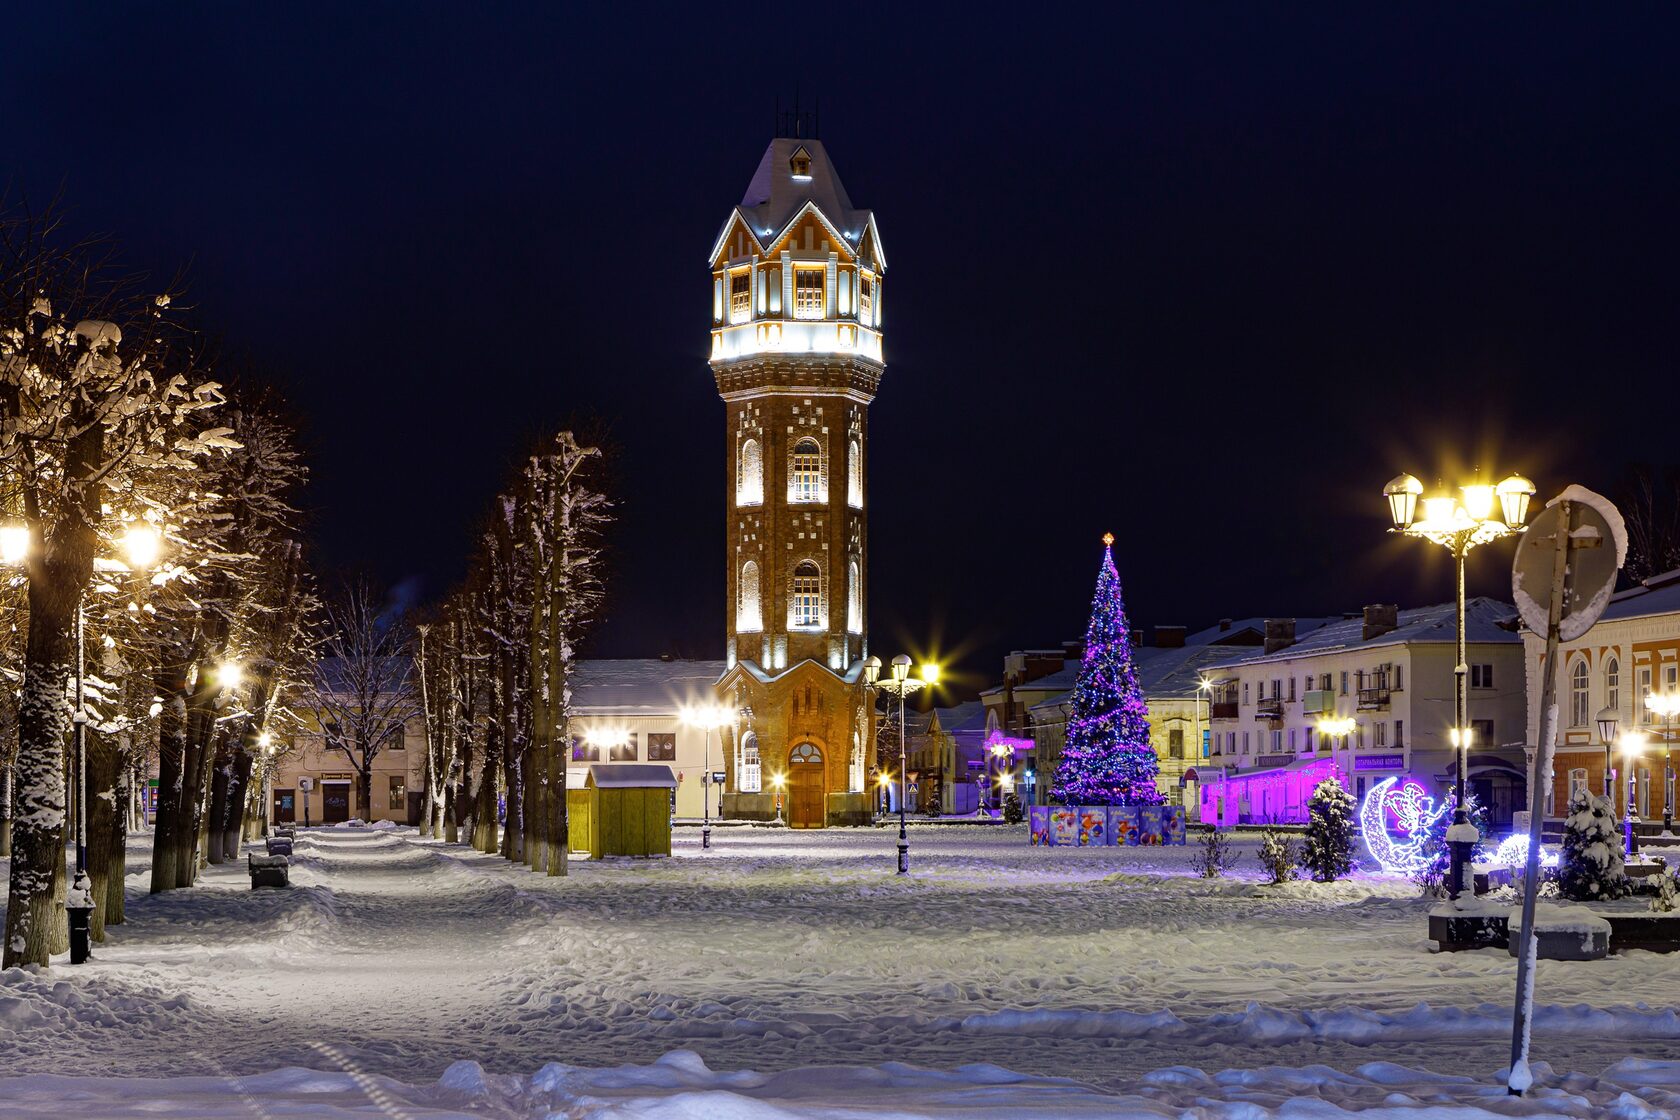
(1107, 758)
(1330, 840)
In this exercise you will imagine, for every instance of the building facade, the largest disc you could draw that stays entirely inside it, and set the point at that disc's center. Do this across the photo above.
(1631, 654)
(1392, 673)
(796, 353)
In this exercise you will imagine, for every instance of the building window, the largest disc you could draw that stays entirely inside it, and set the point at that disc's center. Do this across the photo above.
(808, 286)
(399, 791)
(866, 298)
(1344, 682)
(1671, 678)
(1291, 690)
(748, 616)
(854, 599)
(1613, 684)
(1207, 742)
(1379, 737)
(749, 775)
(799, 163)
(1400, 677)
(1175, 743)
(1481, 676)
(1577, 782)
(854, 475)
(1578, 710)
(1481, 733)
(1292, 740)
(662, 746)
(585, 751)
(740, 297)
(1324, 682)
(1643, 694)
(1245, 742)
(1245, 692)
(1399, 732)
(625, 751)
(805, 484)
(806, 608)
(749, 479)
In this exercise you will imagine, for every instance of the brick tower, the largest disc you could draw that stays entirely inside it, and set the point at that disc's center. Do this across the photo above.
(796, 351)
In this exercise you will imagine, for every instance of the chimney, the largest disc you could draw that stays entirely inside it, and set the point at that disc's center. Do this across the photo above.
(1280, 634)
(1380, 618)
(1224, 625)
(1169, 637)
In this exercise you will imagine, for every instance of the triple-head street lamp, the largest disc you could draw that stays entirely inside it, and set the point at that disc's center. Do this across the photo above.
(1459, 524)
(901, 683)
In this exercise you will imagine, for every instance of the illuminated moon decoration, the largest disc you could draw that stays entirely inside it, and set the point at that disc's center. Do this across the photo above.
(1414, 811)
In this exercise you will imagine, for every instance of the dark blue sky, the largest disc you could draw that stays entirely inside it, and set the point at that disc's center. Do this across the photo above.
(1205, 278)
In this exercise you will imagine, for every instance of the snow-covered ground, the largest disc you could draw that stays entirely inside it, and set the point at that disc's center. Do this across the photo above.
(792, 974)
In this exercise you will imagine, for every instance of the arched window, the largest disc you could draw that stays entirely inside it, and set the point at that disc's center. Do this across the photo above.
(805, 607)
(748, 617)
(854, 599)
(1613, 684)
(805, 475)
(749, 771)
(854, 475)
(749, 478)
(1578, 708)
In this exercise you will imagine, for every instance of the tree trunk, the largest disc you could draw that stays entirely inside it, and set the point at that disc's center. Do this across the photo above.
(43, 728)
(484, 811)
(513, 834)
(171, 811)
(364, 783)
(233, 823)
(6, 812)
(104, 766)
(221, 779)
(451, 826)
(116, 863)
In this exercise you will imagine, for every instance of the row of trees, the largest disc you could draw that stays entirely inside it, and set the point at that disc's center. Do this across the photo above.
(494, 665)
(150, 531)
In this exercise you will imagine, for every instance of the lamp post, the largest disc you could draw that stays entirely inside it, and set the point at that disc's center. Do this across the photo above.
(1608, 720)
(1633, 745)
(1667, 705)
(780, 782)
(1460, 524)
(706, 717)
(903, 684)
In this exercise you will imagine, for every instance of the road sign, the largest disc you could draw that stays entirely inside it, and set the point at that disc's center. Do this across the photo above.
(1597, 547)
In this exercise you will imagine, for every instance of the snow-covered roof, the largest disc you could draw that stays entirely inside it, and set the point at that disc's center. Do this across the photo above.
(642, 687)
(1163, 673)
(626, 775)
(1486, 621)
(967, 716)
(1219, 633)
(1658, 595)
(775, 196)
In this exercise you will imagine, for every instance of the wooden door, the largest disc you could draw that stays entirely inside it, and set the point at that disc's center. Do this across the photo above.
(335, 802)
(806, 788)
(285, 806)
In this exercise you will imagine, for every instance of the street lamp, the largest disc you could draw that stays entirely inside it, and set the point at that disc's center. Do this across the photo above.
(1337, 727)
(1666, 705)
(1633, 745)
(707, 717)
(902, 684)
(1460, 524)
(1608, 720)
(780, 782)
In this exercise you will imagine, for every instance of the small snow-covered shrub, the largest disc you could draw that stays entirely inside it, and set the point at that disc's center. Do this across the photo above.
(1330, 842)
(1013, 811)
(1667, 899)
(1215, 857)
(1280, 855)
(1590, 865)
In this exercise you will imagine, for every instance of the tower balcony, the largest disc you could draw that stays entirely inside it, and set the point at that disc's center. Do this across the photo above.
(795, 336)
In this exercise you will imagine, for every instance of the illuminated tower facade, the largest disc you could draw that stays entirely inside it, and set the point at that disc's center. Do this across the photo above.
(796, 352)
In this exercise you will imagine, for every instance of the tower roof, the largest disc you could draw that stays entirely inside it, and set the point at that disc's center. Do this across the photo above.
(776, 195)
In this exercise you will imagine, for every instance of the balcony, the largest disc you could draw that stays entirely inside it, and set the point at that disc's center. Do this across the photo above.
(1271, 708)
(1223, 709)
(1318, 702)
(1373, 699)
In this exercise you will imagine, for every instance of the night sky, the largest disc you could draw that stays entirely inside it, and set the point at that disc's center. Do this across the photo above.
(1206, 279)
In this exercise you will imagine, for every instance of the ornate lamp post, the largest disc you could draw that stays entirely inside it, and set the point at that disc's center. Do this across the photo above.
(1460, 524)
(1667, 705)
(902, 684)
(1608, 720)
(707, 717)
(780, 782)
(1633, 745)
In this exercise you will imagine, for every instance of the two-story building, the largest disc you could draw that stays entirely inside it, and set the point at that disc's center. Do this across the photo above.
(1613, 670)
(1391, 673)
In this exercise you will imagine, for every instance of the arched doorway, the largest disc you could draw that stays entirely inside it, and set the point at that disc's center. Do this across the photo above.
(806, 787)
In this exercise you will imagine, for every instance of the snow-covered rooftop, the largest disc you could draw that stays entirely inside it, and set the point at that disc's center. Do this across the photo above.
(1486, 621)
(775, 194)
(1658, 595)
(642, 687)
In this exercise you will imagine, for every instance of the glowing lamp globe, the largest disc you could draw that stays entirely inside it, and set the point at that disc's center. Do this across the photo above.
(1608, 719)
(901, 667)
(1402, 494)
(1478, 502)
(1514, 494)
(930, 673)
(142, 544)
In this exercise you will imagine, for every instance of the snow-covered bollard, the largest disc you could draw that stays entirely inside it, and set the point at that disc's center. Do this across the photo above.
(1462, 839)
(78, 904)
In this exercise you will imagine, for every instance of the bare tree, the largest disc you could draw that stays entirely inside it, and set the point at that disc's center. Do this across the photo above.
(363, 693)
(1650, 505)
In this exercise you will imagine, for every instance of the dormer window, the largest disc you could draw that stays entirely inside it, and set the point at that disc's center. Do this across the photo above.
(809, 289)
(800, 164)
(740, 297)
(866, 298)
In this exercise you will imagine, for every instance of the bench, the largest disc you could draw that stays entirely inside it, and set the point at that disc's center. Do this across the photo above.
(279, 846)
(268, 871)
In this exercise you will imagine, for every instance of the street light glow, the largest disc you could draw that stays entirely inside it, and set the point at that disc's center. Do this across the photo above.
(14, 542)
(142, 543)
(229, 674)
(930, 673)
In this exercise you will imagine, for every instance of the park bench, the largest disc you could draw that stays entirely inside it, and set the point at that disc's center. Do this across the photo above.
(268, 871)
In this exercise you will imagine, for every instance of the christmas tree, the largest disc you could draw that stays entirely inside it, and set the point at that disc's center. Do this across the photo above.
(1330, 840)
(1590, 865)
(1107, 758)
